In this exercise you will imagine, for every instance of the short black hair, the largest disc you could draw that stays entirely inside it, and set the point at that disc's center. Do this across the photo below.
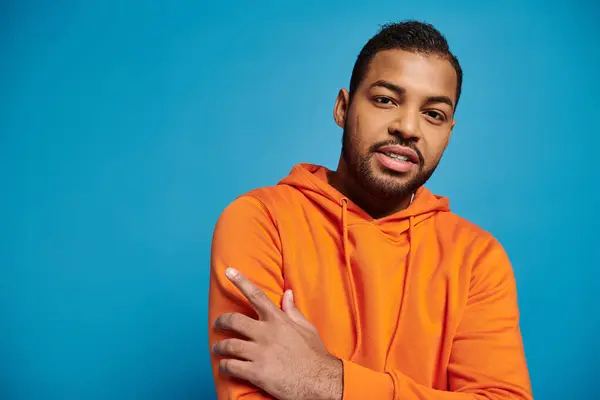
(409, 35)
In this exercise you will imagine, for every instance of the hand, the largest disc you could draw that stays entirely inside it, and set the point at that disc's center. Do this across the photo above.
(283, 355)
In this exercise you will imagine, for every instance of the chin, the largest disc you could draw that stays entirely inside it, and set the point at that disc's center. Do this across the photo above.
(385, 185)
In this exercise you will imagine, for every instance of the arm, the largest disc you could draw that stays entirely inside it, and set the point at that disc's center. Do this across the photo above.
(245, 237)
(487, 360)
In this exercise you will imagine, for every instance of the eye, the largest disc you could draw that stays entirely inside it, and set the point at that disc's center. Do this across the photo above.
(385, 101)
(436, 115)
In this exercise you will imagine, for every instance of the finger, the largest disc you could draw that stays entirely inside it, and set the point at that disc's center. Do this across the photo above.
(257, 298)
(288, 301)
(239, 323)
(240, 349)
(238, 368)
(289, 307)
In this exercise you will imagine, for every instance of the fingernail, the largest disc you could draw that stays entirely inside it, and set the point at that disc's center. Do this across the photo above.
(291, 295)
(230, 272)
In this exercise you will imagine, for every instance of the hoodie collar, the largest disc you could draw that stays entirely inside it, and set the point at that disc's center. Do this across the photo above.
(311, 180)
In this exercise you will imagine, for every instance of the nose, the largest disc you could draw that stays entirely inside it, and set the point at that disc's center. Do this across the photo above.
(406, 125)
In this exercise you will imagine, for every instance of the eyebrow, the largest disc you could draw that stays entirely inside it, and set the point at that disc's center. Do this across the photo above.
(400, 91)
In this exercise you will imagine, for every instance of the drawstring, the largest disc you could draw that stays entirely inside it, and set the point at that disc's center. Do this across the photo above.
(350, 276)
(410, 259)
(346, 246)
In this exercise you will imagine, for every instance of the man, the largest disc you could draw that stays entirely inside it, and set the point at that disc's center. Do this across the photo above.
(360, 283)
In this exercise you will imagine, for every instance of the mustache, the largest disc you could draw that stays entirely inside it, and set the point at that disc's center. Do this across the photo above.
(399, 142)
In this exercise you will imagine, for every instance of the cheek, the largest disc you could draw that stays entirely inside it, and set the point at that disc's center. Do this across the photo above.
(370, 127)
(435, 145)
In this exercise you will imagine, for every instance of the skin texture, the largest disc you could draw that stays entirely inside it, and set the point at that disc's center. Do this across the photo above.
(407, 99)
(284, 354)
(414, 116)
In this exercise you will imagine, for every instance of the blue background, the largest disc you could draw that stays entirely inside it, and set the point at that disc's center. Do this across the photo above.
(127, 126)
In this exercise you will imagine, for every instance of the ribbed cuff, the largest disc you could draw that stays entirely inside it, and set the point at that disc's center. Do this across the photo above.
(361, 383)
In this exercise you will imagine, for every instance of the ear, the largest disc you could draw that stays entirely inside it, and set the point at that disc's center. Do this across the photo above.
(450, 134)
(340, 110)
(451, 129)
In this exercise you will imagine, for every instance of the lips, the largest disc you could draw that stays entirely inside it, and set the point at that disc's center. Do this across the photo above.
(401, 153)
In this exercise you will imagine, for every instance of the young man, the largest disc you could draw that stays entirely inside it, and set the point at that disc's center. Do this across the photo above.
(394, 296)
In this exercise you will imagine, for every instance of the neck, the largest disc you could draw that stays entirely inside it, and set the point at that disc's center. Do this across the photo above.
(376, 207)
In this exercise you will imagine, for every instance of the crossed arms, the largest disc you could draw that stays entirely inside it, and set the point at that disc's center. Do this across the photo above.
(263, 348)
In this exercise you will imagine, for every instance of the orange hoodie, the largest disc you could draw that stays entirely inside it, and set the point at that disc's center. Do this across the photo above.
(418, 305)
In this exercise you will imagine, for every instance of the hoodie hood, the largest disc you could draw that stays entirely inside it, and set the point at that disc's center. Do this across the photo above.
(311, 180)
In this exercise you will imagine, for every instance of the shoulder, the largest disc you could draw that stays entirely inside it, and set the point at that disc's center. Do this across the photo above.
(246, 222)
(276, 196)
(269, 201)
(483, 253)
(259, 205)
(463, 229)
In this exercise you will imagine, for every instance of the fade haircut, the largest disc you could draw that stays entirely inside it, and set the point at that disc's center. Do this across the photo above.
(413, 36)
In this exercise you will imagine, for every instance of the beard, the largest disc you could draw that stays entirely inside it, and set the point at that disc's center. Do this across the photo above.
(389, 184)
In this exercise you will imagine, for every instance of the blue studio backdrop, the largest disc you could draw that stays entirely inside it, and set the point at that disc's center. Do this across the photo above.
(126, 127)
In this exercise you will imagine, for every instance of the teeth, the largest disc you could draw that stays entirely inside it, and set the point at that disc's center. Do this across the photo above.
(397, 156)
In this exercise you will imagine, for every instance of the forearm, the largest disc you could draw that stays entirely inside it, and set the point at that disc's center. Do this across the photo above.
(361, 383)
(331, 384)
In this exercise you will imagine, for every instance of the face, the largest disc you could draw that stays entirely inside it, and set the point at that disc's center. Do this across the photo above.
(398, 123)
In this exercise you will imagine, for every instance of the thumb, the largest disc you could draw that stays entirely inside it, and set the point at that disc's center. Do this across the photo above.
(292, 312)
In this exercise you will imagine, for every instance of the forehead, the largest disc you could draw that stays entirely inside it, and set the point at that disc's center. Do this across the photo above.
(428, 75)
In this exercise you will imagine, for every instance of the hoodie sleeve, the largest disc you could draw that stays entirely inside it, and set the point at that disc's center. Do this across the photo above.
(245, 237)
(487, 359)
